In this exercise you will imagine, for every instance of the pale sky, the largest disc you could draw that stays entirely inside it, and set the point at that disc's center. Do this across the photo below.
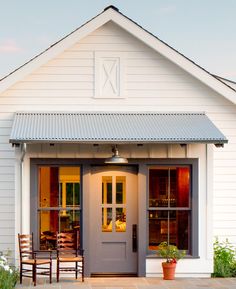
(202, 30)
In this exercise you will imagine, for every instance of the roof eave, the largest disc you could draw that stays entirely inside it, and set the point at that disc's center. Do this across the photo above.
(111, 141)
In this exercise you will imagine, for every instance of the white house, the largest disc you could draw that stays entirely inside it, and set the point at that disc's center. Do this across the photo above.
(112, 87)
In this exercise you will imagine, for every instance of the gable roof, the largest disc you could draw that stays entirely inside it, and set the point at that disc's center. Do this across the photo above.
(111, 13)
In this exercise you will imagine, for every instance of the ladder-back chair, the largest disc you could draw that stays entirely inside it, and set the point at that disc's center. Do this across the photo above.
(33, 263)
(69, 251)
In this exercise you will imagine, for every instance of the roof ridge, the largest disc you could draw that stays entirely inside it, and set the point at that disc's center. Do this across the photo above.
(111, 7)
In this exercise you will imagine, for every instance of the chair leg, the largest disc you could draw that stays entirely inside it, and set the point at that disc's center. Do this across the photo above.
(58, 271)
(34, 274)
(21, 273)
(76, 270)
(83, 269)
(50, 276)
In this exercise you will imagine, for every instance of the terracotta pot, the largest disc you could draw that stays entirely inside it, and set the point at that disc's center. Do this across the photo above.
(168, 270)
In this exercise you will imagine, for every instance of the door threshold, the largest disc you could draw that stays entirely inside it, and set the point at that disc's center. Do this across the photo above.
(113, 275)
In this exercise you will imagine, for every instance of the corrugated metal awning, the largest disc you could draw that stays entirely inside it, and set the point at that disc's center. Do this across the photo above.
(117, 127)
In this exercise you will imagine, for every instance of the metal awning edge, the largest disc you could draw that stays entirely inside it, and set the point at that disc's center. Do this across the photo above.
(95, 141)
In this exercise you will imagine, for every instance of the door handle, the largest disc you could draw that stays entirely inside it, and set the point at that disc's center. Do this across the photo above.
(134, 238)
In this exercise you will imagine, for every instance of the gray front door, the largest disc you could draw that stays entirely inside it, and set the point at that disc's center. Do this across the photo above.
(113, 221)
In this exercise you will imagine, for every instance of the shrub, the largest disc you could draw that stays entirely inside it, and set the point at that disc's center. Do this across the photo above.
(224, 259)
(8, 274)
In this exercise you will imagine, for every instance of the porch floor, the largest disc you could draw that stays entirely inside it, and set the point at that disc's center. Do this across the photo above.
(132, 283)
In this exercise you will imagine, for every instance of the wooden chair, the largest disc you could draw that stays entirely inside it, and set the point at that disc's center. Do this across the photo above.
(31, 261)
(69, 251)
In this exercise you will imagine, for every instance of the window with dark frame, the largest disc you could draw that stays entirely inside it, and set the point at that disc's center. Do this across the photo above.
(59, 202)
(170, 206)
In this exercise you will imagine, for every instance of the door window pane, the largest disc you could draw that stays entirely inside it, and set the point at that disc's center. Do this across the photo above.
(106, 190)
(120, 220)
(106, 219)
(120, 190)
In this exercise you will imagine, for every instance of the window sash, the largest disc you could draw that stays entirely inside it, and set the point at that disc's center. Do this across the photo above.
(154, 205)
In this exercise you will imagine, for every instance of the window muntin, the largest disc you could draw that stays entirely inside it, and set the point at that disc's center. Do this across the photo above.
(59, 202)
(170, 210)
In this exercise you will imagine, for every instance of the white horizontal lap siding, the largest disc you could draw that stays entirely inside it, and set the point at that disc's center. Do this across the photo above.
(224, 213)
(7, 185)
(151, 81)
(7, 211)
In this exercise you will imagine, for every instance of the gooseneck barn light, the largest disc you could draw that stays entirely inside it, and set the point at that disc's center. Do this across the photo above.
(116, 159)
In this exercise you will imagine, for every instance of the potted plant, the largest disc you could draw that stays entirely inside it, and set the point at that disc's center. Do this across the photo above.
(172, 254)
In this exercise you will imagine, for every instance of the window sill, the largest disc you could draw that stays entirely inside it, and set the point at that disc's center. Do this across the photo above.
(153, 256)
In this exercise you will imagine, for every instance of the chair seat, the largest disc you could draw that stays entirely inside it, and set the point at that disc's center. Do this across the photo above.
(38, 261)
(70, 259)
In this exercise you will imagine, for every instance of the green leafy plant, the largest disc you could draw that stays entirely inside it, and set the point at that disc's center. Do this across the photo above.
(9, 275)
(224, 259)
(170, 252)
